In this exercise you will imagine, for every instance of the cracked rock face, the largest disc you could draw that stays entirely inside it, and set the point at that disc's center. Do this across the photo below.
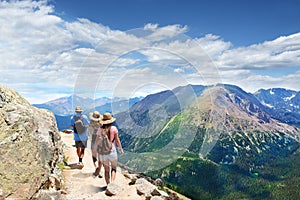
(30, 147)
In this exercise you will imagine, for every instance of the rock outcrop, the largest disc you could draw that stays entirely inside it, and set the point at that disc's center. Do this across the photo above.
(31, 150)
(148, 188)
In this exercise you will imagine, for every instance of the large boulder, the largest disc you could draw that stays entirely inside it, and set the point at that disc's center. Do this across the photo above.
(30, 148)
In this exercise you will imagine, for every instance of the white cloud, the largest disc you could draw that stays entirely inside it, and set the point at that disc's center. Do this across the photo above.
(83, 30)
(148, 76)
(44, 56)
(121, 43)
(123, 62)
(150, 27)
(163, 56)
(281, 52)
(255, 82)
(178, 70)
(213, 45)
(162, 33)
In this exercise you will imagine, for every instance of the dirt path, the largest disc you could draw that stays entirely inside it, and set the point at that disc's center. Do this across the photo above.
(81, 184)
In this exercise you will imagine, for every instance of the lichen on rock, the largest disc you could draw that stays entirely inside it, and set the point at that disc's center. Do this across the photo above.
(30, 147)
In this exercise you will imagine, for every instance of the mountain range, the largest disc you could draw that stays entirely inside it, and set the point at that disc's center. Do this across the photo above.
(282, 103)
(216, 142)
(229, 119)
(63, 108)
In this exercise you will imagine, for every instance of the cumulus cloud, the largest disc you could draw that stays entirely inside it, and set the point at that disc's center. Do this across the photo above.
(121, 43)
(213, 45)
(45, 56)
(178, 70)
(150, 27)
(162, 33)
(281, 52)
(163, 56)
(30, 35)
(254, 82)
(83, 30)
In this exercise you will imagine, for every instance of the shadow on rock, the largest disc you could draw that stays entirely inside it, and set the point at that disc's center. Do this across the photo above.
(73, 166)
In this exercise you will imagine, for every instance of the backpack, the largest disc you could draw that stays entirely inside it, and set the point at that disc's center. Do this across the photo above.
(104, 145)
(79, 125)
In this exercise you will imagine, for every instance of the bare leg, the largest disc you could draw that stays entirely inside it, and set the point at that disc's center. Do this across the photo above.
(94, 160)
(106, 172)
(81, 152)
(113, 170)
(99, 166)
(94, 155)
(78, 150)
(98, 169)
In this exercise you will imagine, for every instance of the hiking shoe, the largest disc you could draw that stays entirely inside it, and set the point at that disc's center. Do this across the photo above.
(97, 171)
(80, 165)
(94, 174)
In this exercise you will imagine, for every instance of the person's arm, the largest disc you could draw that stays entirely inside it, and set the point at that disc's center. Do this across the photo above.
(86, 121)
(117, 139)
(94, 148)
(89, 130)
(72, 123)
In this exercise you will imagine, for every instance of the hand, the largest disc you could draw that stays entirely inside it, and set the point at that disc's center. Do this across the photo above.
(121, 151)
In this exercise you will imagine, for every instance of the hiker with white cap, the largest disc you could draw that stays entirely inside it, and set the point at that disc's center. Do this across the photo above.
(109, 158)
(79, 124)
(94, 125)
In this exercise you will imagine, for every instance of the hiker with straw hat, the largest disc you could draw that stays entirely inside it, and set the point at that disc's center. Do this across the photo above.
(94, 125)
(79, 124)
(111, 159)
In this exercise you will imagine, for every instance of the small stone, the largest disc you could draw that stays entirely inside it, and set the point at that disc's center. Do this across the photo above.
(54, 182)
(158, 182)
(157, 192)
(156, 198)
(148, 196)
(63, 192)
(113, 189)
(132, 177)
(144, 187)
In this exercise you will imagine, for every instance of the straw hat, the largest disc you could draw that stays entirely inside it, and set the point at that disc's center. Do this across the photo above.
(95, 116)
(78, 109)
(107, 118)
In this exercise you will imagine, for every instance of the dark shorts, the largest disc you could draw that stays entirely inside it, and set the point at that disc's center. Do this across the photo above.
(80, 144)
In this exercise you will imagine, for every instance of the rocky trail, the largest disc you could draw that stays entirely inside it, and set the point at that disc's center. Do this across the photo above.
(81, 184)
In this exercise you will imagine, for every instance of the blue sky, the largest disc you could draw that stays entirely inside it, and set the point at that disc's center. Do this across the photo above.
(50, 49)
(242, 22)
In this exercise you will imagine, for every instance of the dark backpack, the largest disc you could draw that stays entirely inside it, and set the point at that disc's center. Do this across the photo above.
(79, 125)
(104, 145)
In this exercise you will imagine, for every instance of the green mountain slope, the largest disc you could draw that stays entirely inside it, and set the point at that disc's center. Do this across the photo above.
(217, 144)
